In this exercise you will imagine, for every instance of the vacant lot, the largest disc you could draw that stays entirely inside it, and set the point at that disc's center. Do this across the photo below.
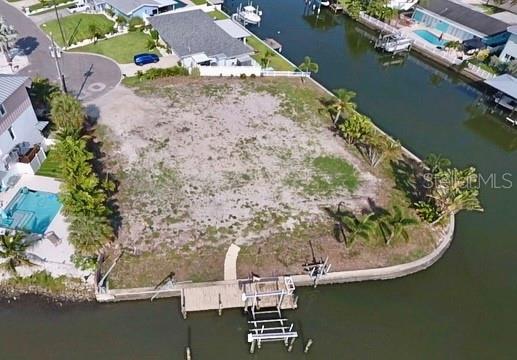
(78, 27)
(120, 48)
(204, 163)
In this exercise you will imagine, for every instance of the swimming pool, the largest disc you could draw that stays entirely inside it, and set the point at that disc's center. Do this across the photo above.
(430, 37)
(30, 210)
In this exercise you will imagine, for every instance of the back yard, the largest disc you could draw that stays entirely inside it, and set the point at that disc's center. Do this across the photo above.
(203, 163)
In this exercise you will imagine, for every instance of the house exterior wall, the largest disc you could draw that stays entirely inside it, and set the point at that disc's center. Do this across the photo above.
(145, 11)
(509, 52)
(24, 130)
(20, 117)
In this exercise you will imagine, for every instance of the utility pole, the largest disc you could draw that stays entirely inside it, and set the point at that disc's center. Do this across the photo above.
(54, 52)
(59, 23)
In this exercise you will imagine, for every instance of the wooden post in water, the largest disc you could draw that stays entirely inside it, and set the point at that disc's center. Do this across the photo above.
(295, 305)
(290, 348)
(188, 355)
(252, 347)
(220, 311)
(308, 346)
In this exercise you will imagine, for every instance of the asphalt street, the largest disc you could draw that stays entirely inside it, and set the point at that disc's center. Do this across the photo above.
(87, 76)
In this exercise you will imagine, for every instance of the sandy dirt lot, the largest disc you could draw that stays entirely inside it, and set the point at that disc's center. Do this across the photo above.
(204, 163)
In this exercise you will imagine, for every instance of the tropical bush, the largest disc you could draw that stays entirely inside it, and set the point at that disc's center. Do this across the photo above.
(13, 250)
(135, 23)
(83, 194)
(156, 73)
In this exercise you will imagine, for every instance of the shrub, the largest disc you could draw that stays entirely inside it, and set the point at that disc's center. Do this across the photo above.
(482, 55)
(121, 20)
(110, 12)
(243, 76)
(512, 67)
(156, 73)
(135, 23)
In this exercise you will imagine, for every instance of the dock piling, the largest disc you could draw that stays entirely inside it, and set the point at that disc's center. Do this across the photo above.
(290, 348)
(308, 346)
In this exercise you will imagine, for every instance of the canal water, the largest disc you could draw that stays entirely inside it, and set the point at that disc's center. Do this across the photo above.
(461, 308)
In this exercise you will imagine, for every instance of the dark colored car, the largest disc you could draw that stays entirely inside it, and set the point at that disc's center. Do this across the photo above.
(142, 59)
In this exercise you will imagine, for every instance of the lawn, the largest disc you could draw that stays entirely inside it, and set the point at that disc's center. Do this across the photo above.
(199, 2)
(120, 48)
(218, 15)
(76, 27)
(50, 166)
(276, 62)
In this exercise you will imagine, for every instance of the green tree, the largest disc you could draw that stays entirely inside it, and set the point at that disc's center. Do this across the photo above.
(41, 92)
(352, 7)
(308, 65)
(436, 163)
(455, 190)
(376, 147)
(358, 227)
(67, 114)
(342, 103)
(89, 234)
(266, 58)
(394, 224)
(94, 32)
(13, 249)
(356, 128)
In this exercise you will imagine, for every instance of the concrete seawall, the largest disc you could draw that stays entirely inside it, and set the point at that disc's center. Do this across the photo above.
(383, 273)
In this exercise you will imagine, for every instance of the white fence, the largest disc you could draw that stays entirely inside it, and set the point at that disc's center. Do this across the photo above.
(286, 73)
(378, 24)
(229, 70)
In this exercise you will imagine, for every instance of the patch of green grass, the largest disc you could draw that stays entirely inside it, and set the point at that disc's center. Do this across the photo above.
(120, 48)
(76, 27)
(276, 61)
(50, 166)
(299, 103)
(41, 279)
(199, 2)
(329, 174)
(218, 15)
(46, 4)
(484, 66)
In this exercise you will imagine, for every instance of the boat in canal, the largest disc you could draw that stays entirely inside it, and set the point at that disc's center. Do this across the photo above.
(249, 14)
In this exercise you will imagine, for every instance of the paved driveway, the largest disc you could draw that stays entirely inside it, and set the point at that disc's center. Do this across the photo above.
(87, 76)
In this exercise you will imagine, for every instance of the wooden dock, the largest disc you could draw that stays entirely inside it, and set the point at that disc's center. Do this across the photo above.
(264, 293)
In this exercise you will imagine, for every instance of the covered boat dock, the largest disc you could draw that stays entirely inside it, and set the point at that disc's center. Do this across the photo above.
(506, 96)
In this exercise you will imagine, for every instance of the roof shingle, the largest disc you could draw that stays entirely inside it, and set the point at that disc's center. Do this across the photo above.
(10, 83)
(192, 32)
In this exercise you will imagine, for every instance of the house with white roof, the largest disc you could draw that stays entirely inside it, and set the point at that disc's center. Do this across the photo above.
(138, 8)
(21, 141)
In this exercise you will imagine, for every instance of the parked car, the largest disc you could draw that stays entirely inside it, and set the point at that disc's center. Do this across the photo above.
(142, 59)
(78, 8)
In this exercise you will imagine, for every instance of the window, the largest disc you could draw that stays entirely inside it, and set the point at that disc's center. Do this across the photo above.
(2, 110)
(11, 133)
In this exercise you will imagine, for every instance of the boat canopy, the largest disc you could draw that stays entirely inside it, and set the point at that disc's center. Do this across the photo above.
(505, 83)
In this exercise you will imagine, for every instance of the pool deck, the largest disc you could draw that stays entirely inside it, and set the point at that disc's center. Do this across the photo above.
(54, 259)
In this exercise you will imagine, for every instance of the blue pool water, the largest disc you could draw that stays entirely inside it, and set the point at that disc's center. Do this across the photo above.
(430, 37)
(31, 211)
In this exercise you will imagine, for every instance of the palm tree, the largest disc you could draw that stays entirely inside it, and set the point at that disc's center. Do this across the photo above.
(308, 65)
(89, 234)
(394, 224)
(7, 37)
(436, 163)
(266, 58)
(94, 32)
(342, 103)
(363, 227)
(13, 249)
(67, 114)
(41, 93)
